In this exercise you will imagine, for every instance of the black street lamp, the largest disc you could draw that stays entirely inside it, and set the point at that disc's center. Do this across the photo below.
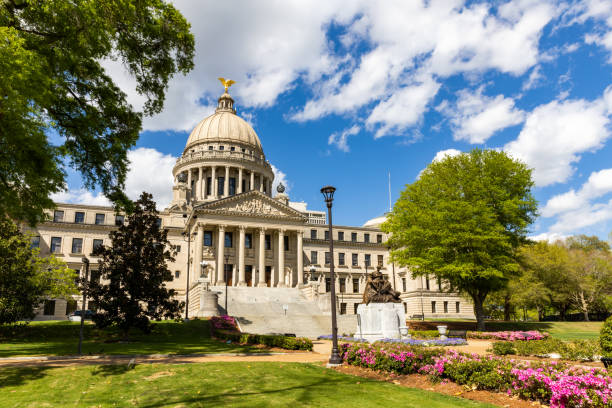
(334, 359)
(225, 276)
(85, 287)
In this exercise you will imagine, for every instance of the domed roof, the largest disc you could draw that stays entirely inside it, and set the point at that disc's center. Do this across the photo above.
(375, 222)
(224, 126)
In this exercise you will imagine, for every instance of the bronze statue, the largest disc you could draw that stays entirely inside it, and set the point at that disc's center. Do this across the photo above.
(379, 290)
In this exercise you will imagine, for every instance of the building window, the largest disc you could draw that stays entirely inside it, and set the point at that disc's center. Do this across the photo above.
(210, 147)
(457, 308)
(355, 306)
(221, 147)
(49, 308)
(313, 257)
(367, 260)
(58, 216)
(355, 285)
(229, 241)
(366, 237)
(380, 260)
(404, 285)
(342, 308)
(97, 243)
(313, 234)
(220, 185)
(119, 220)
(99, 219)
(340, 235)
(177, 274)
(341, 258)
(158, 222)
(286, 242)
(379, 238)
(433, 306)
(35, 243)
(232, 186)
(427, 282)
(232, 149)
(354, 236)
(405, 307)
(56, 245)
(208, 238)
(445, 306)
(77, 245)
(327, 285)
(342, 285)
(327, 235)
(248, 241)
(177, 248)
(354, 259)
(439, 285)
(327, 258)
(208, 185)
(268, 242)
(79, 217)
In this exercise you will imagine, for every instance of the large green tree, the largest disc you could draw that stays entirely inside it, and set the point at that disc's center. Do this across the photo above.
(133, 272)
(463, 220)
(26, 279)
(53, 86)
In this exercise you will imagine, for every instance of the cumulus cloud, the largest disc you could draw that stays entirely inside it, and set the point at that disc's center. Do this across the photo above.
(556, 134)
(587, 216)
(446, 153)
(549, 236)
(601, 12)
(598, 184)
(279, 177)
(476, 117)
(80, 196)
(340, 138)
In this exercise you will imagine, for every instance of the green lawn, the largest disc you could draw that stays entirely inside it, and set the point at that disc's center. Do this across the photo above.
(560, 330)
(208, 385)
(61, 338)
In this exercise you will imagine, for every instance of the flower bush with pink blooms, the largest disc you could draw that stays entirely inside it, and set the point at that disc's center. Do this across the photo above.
(557, 384)
(223, 322)
(508, 335)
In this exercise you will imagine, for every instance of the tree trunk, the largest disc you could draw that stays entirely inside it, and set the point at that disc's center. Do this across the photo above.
(479, 311)
(507, 307)
(584, 307)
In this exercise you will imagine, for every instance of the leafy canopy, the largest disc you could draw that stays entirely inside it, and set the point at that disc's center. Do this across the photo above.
(26, 279)
(462, 221)
(133, 272)
(58, 105)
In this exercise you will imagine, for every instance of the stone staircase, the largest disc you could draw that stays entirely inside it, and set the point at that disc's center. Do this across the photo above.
(279, 310)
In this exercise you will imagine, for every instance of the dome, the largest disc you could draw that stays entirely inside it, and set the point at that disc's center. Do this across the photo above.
(375, 222)
(224, 126)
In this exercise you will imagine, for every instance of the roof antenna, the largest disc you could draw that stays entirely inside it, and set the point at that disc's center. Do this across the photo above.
(389, 191)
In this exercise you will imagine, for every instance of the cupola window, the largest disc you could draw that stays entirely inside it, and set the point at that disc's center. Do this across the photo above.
(232, 148)
(210, 147)
(221, 147)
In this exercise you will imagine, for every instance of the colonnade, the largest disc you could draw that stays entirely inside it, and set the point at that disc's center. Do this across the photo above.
(200, 175)
(261, 256)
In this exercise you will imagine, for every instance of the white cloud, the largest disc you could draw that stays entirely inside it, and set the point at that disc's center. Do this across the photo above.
(446, 153)
(476, 117)
(598, 184)
(150, 171)
(80, 196)
(599, 11)
(535, 78)
(556, 134)
(339, 138)
(551, 237)
(279, 177)
(597, 214)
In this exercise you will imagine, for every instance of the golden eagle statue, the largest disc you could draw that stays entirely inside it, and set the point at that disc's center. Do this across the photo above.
(227, 83)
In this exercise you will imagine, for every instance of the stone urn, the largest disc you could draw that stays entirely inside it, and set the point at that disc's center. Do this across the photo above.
(442, 330)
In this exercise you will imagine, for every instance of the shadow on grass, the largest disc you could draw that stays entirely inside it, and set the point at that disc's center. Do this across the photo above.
(15, 376)
(108, 370)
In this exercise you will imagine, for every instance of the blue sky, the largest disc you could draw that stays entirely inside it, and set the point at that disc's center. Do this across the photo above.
(346, 92)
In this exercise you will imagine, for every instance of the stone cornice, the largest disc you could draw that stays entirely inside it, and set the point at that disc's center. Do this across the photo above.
(350, 244)
(78, 225)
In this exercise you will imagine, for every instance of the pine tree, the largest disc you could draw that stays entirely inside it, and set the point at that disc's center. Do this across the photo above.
(133, 272)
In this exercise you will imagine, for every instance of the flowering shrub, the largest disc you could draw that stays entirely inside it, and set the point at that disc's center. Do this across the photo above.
(552, 383)
(508, 335)
(570, 350)
(412, 342)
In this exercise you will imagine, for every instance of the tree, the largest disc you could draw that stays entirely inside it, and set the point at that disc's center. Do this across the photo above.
(463, 220)
(133, 273)
(54, 87)
(26, 279)
(587, 243)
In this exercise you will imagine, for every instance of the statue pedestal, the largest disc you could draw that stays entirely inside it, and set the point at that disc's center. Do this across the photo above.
(209, 304)
(378, 321)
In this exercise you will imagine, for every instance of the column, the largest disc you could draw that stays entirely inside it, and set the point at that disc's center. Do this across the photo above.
(220, 256)
(270, 188)
(214, 191)
(240, 181)
(300, 259)
(226, 182)
(281, 258)
(189, 185)
(203, 184)
(198, 252)
(252, 183)
(198, 193)
(262, 258)
(241, 271)
(261, 182)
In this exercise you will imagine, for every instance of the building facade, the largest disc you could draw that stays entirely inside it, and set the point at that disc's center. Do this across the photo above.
(229, 229)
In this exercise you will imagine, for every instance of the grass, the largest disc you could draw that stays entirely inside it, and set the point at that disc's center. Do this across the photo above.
(61, 338)
(262, 384)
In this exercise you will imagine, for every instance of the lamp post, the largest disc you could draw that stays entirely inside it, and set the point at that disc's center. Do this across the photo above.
(225, 276)
(85, 287)
(188, 236)
(334, 359)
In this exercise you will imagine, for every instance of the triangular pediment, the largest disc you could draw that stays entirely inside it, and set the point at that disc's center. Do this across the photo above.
(251, 204)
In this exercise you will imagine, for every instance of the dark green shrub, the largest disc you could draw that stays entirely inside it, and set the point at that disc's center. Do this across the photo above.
(287, 343)
(501, 348)
(424, 334)
(605, 338)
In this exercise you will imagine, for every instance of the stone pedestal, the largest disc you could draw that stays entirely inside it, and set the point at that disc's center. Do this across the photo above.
(378, 321)
(209, 304)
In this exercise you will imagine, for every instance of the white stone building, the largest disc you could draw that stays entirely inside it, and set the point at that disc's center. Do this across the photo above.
(229, 229)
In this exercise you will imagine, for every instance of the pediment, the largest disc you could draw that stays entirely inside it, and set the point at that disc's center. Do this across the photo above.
(251, 204)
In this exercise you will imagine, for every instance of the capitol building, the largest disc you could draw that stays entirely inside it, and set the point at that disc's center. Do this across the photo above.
(230, 230)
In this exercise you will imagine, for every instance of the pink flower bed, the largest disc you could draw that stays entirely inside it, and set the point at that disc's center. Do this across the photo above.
(508, 335)
(224, 323)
